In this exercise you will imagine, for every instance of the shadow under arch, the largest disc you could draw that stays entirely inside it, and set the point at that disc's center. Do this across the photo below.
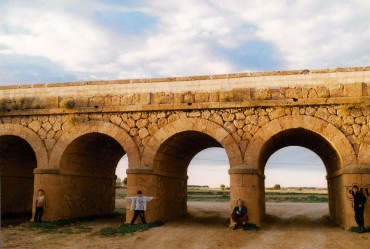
(315, 134)
(21, 151)
(100, 127)
(168, 155)
(86, 158)
(213, 130)
(30, 137)
(171, 162)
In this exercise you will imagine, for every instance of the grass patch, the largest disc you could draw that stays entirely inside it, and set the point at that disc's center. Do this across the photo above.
(282, 195)
(56, 227)
(71, 226)
(357, 229)
(127, 228)
(251, 227)
(296, 197)
(208, 197)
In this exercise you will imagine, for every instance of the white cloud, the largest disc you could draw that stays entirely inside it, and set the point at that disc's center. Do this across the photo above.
(188, 37)
(66, 39)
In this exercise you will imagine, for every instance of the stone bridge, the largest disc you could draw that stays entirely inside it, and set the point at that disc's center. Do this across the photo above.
(68, 138)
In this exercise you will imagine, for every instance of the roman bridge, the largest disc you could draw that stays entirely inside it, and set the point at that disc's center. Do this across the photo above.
(68, 138)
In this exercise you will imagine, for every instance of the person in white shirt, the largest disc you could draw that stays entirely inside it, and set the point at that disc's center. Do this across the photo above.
(40, 205)
(138, 205)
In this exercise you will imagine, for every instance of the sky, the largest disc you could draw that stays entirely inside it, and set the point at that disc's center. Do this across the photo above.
(70, 40)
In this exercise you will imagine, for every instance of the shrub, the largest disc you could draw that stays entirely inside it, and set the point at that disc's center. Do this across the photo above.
(67, 103)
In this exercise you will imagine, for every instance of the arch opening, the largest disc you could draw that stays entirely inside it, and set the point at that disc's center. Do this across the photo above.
(171, 166)
(296, 187)
(304, 169)
(89, 165)
(121, 185)
(17, 162)
(318, 145)
(304, 138)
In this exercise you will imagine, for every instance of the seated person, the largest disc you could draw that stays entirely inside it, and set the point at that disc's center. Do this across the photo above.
(239, 215)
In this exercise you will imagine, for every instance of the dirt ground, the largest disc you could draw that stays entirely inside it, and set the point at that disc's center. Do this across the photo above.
(288, 225)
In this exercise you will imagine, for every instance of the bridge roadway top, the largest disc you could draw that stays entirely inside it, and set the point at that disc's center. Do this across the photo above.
(210, 83)
(340, 86)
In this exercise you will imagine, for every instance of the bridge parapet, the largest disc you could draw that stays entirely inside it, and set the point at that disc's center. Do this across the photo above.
(250, 115)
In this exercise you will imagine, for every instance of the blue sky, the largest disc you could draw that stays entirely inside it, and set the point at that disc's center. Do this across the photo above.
(69, 40)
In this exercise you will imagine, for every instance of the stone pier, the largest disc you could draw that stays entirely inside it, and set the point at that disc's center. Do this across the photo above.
(67, 138)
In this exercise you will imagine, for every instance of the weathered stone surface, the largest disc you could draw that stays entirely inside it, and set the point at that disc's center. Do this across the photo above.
(153, 128)
(136, 115)
(131, 122)
(348, 120)
(262, 94)
(239, 123)
(143, 132)
(322, 92)
(262, 120)
(360, 120)
(115, 119)
(47, 126)
(194, 114)
(162, 123)
(49, 143)
(279, 112)
(217, 119)
(142, 123)
(34, 125)
(335, 120)
(251, 119)
(201, 97)
(206, 114)
(134, 132)
(42, 133)
(228, 117)
(125, 127)
(356, 113)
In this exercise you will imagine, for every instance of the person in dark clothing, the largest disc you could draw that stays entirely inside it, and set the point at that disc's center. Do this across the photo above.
(239, 215)
(359, 201)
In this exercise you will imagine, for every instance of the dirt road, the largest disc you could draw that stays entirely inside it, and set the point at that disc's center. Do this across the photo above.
(289, 225)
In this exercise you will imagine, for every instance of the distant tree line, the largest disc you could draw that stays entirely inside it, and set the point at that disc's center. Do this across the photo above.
(198, 186)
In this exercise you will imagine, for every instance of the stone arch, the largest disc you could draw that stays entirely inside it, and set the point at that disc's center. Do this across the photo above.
(30, 137)
(323, 138)
(22, 151)
(324, 129)
(84, 160)
(207, 127)
(101, 127)
(167, 154)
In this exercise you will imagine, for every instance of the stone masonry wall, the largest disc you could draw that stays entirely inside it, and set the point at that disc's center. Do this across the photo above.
(299, 95)
(242, 123)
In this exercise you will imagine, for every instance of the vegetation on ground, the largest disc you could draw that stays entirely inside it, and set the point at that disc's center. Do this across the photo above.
(357, 229)
(307, 195)
(252, 227)
(70, 226)
(53, 227)
(127, 228)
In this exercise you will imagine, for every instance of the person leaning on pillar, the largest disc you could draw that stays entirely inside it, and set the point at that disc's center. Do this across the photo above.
(359, 201)
(138, 205)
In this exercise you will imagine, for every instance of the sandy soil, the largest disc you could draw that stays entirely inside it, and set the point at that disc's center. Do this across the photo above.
(289, 225)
